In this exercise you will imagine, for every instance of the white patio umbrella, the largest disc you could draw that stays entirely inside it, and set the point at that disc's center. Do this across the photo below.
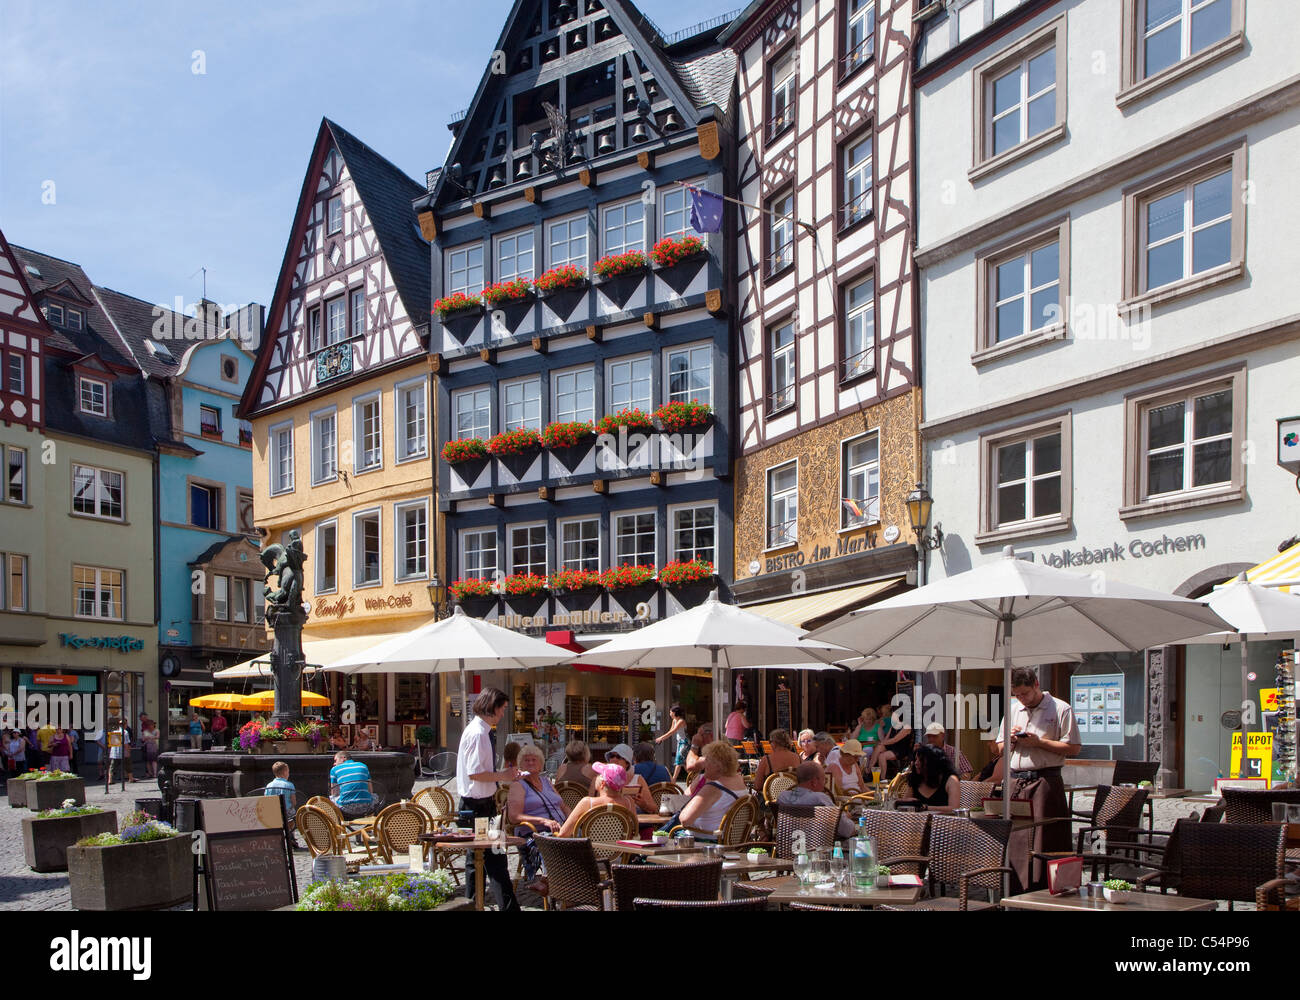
(1255, 613)
(716, 636)
(456, 643)
(1010, 608)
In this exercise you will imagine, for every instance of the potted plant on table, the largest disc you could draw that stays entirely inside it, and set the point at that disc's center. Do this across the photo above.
(147, 865)
(1117, 890)
(48, 835)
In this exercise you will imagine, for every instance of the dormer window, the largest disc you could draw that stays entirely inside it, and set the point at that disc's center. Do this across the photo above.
(54, 313)
(73, 318)
(158, 350)
(335, 216)
(93, 397)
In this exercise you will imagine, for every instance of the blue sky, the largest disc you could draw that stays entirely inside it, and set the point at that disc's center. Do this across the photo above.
(116, 154)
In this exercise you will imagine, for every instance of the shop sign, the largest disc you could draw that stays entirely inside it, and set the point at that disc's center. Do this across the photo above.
(845, 545)
(120, 642)
(1137, 548)
(569, 619)
(341, 607)
(1259, 756)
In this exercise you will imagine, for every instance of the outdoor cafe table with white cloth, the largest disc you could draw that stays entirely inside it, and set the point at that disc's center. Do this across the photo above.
(1137, 902)
(788, 890)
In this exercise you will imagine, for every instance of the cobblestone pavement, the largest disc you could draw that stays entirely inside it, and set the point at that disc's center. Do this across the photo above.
(23, 889)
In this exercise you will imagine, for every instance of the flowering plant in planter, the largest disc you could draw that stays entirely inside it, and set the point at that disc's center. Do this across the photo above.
(69, 808)
(452, 305)
(472, 587)
(525, 584)
(464, 450)
(272, 731)
(575, 579)
(681, 572)
(507, 291)
(250, 734)
(567, 435)
(311, 731)
(683, 416)
(559, 278)
(617, 264)
(622, 577)
(669, 251)
(137, 828)
(402, 891)
(636, 421)
(44, 775)
(516, 442)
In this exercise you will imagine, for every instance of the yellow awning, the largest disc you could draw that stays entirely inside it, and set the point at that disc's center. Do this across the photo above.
(1283, 567)
(319, 652)
(798, 611)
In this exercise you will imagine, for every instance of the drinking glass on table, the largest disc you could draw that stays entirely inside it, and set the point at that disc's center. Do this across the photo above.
(839, 869)
(802, 868)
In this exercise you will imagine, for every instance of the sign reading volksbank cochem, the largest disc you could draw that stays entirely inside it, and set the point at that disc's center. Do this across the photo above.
(1137, 548)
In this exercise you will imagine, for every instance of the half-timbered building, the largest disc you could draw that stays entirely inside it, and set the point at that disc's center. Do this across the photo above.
(338, 400)
(827, 398)
(562, 219)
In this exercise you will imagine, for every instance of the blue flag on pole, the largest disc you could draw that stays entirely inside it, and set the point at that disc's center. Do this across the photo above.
(706, 211)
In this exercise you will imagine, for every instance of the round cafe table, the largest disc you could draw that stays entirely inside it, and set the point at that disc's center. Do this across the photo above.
(469, 842)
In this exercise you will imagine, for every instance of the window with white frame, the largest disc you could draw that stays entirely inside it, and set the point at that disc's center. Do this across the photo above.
(367, 432)
(478, 554)
(412, 423)
(634, 539)
(239, 600)
(573, 395)
(334, 215)
(580, 544)
(54, 313)
(1174, 30)
(97, 492)
(782, 79)
(675, 213)
(860, 33)
(780, 232)
(1023, 102)
(515, 256)
(627, 384)
(281, 448)
(221, 598)
(15, 474)
(528, 549)
(1187, 230)
(695, 534)
(98, 592)
(860, 475)
(472, 411)
(412, 540)
(358, 296)
(93, 396)
(313, 329)
(327, 557)
(690, 374)
(465, 269)
(324, 447)
(1028, 479)
(16, 373)
(209, 421)
(1026, 294)
(367, 568)
(857, 179)
(781, 370)
(13, 588)
(1187, 442)
(566, 241)
(624, 227)
(860, 327)
(336, 320)
(521, 404)
(205, 506)
(783, 505)
(74, 318)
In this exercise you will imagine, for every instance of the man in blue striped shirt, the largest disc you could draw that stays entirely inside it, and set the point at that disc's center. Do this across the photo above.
(350, 786)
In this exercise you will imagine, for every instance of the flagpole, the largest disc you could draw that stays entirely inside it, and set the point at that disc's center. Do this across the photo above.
(808, 226)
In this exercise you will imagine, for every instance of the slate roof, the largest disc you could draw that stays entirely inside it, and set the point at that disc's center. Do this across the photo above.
(138, 408)
(136, 320)
(387, 194)
(709, 78)
(213, 550)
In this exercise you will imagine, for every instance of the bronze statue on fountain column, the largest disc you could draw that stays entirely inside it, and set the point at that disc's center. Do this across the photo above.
(284, 562)
(285, 613)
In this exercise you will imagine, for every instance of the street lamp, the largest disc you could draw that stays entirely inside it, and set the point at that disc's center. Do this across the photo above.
(919, 505)
(437, 597)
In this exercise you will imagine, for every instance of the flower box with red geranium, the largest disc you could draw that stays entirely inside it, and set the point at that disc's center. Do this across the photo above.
(457, 305)
(636, 421)
(520, 441)
(464, 450)
(525, 585)
(684, 573)
(682, 416)
(471, 588)
(669, 251)
(503, 292)
(559, 279)
(568, 435)
(618, 264)
(569, 580)
(626, 577)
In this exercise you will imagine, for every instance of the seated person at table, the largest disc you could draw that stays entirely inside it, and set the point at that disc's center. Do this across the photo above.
(936, 736)
(827, 752)
(350, 786)
(723, 787)
(695, 757)
(845, 770)
(932, 779)
(281, 785)
(636, 788)
(607, 790)
(811, 791)
(510, 755)
(992, 771)
(650, 770)
(782, 758)
(895, 745)
(533, 799)
(866, 727)
(807, 745)
(577, 764)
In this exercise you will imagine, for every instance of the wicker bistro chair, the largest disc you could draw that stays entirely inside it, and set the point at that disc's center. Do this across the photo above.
(1238, 862)
(968, 853)
(324, 836)
(437, 802)
(571, 793)
(397, 827)
(573, 877)
(361, 835)
(1147, 861)
(700, 881)
(1134, 772)
(973, 793)
(776, 783)
(661, 788)
(607, 824)
(737, 822)
(1114, 810)
(900, 837)
(1249, 805)
(756, 903)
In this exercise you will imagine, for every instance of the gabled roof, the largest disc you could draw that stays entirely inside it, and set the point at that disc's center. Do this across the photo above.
(213, 550)
(138, 321)
(24, 310)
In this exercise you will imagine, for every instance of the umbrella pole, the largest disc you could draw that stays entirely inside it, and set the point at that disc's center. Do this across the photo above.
(1006, 720)
(718, 720)
(464, 698)
(956, 716)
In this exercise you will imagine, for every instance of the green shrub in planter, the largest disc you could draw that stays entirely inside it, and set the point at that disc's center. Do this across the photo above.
(145, 866)
(400, 891)
(48, 835)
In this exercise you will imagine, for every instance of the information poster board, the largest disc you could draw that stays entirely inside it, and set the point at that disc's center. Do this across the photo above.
(548, 711)
(1259, 757)
(1098, 703)
(247, 864)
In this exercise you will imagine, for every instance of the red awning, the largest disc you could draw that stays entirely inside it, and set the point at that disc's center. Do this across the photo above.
(564, 639)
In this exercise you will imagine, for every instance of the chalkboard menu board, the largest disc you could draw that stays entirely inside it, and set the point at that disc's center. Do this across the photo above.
(783, 711)
(248, 864)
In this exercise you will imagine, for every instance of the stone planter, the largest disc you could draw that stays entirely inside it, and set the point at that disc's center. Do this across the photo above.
(46, 841)
(290, 746)
(150, 876)
(17, 793)
(51, 794)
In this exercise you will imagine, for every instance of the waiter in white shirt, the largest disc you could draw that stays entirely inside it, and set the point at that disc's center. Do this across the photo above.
(477, 783)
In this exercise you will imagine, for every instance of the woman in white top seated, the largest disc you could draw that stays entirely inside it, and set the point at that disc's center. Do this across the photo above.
(607, 791)
(723, 787)
(846, 768)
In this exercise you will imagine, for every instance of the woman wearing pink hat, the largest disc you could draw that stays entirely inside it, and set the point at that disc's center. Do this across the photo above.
(607, 790)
